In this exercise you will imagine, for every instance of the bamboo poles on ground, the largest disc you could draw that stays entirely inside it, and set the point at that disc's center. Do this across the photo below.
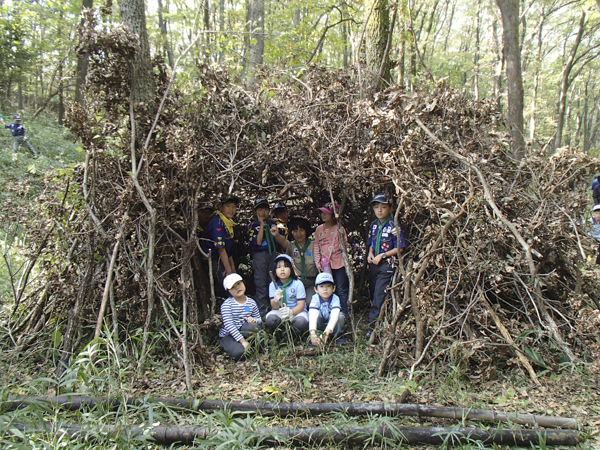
(350, 436)
(285, 409)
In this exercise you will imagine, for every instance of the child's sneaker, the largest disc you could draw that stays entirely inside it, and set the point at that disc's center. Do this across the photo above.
(341, 341)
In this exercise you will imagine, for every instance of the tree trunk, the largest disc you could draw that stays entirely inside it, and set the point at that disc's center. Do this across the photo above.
(498, 68)
(257, 39)
(162, 24)
(376, 39)
(345, 46)
(133, 15)
(477, 49)
(514, 78)
(61, 99)
(565, 82)
(82, 61)
(221, 30)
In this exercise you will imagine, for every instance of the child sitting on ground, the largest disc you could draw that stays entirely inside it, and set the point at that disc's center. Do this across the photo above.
(288, 297)
(324, 312)
(301, 249)
(240, 316)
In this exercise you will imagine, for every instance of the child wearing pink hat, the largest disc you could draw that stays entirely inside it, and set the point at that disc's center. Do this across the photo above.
(328, 253)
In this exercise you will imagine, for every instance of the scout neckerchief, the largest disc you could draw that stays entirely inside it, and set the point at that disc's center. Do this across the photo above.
(302, 261)
(283, 286)
(227, 222)
(379, 232)
(267, 236)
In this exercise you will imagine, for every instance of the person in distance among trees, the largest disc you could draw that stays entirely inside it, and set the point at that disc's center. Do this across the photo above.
(240, 316)
(18, 132)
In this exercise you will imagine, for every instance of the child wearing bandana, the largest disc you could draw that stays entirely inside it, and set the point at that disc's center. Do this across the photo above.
(383, 247)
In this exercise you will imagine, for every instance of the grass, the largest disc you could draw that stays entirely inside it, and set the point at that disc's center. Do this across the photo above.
(342, 374)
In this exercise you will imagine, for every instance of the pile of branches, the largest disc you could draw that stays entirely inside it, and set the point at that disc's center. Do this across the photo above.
(497, 257)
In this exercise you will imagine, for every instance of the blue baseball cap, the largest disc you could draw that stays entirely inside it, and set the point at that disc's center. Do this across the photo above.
(283, 256)
(279, 205)
(261, 202)
(324, 277)
(380, 198)
(17, 117)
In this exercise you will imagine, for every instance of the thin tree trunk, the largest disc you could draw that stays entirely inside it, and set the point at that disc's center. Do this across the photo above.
(82, 60)
(257, 40)
(162, 25)
(477, 49)
(565, 82)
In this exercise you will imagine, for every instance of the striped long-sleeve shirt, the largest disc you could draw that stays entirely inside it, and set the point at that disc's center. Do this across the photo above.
(234, 315)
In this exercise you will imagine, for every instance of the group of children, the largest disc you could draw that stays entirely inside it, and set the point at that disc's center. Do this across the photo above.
(286, 271)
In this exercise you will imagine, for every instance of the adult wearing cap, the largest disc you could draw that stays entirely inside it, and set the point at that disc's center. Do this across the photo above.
(263, 248)
(18, 132)
(383, 247)
(218, 238)
(281, 216)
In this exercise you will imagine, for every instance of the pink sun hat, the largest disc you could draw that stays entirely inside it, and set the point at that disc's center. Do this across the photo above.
(328, 208)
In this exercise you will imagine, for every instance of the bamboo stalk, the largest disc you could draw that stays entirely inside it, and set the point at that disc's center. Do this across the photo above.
(283, 409)
(350, 436)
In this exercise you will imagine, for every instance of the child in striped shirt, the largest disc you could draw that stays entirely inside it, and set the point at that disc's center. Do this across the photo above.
(240, 316)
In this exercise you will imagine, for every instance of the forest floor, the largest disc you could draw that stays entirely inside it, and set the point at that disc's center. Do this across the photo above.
(342, 374)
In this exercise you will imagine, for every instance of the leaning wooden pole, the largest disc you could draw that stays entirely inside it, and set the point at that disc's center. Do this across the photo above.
(287, 409)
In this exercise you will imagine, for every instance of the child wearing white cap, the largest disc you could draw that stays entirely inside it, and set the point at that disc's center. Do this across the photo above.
(240, 316)
(324, 312)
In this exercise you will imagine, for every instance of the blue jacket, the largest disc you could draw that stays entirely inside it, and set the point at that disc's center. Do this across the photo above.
(16, 129)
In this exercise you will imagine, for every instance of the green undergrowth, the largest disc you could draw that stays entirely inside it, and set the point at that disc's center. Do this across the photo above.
(107, 367)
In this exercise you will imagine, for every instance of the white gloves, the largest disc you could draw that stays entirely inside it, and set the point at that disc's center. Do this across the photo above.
(278, 296)
(285, 312)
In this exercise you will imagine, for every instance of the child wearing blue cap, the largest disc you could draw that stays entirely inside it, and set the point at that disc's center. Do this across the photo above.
(18, 132)
(383, 247)
(240, 317)
(325, 312)
(288, 297)
(263, 248)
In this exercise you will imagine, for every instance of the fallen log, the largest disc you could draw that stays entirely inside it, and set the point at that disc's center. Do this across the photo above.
(349, 436)
(284, 409)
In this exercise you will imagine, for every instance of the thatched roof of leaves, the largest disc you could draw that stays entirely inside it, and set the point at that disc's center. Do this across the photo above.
(492, 242)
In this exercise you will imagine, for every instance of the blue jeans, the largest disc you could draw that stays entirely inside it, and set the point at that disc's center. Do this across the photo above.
(342, 285)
